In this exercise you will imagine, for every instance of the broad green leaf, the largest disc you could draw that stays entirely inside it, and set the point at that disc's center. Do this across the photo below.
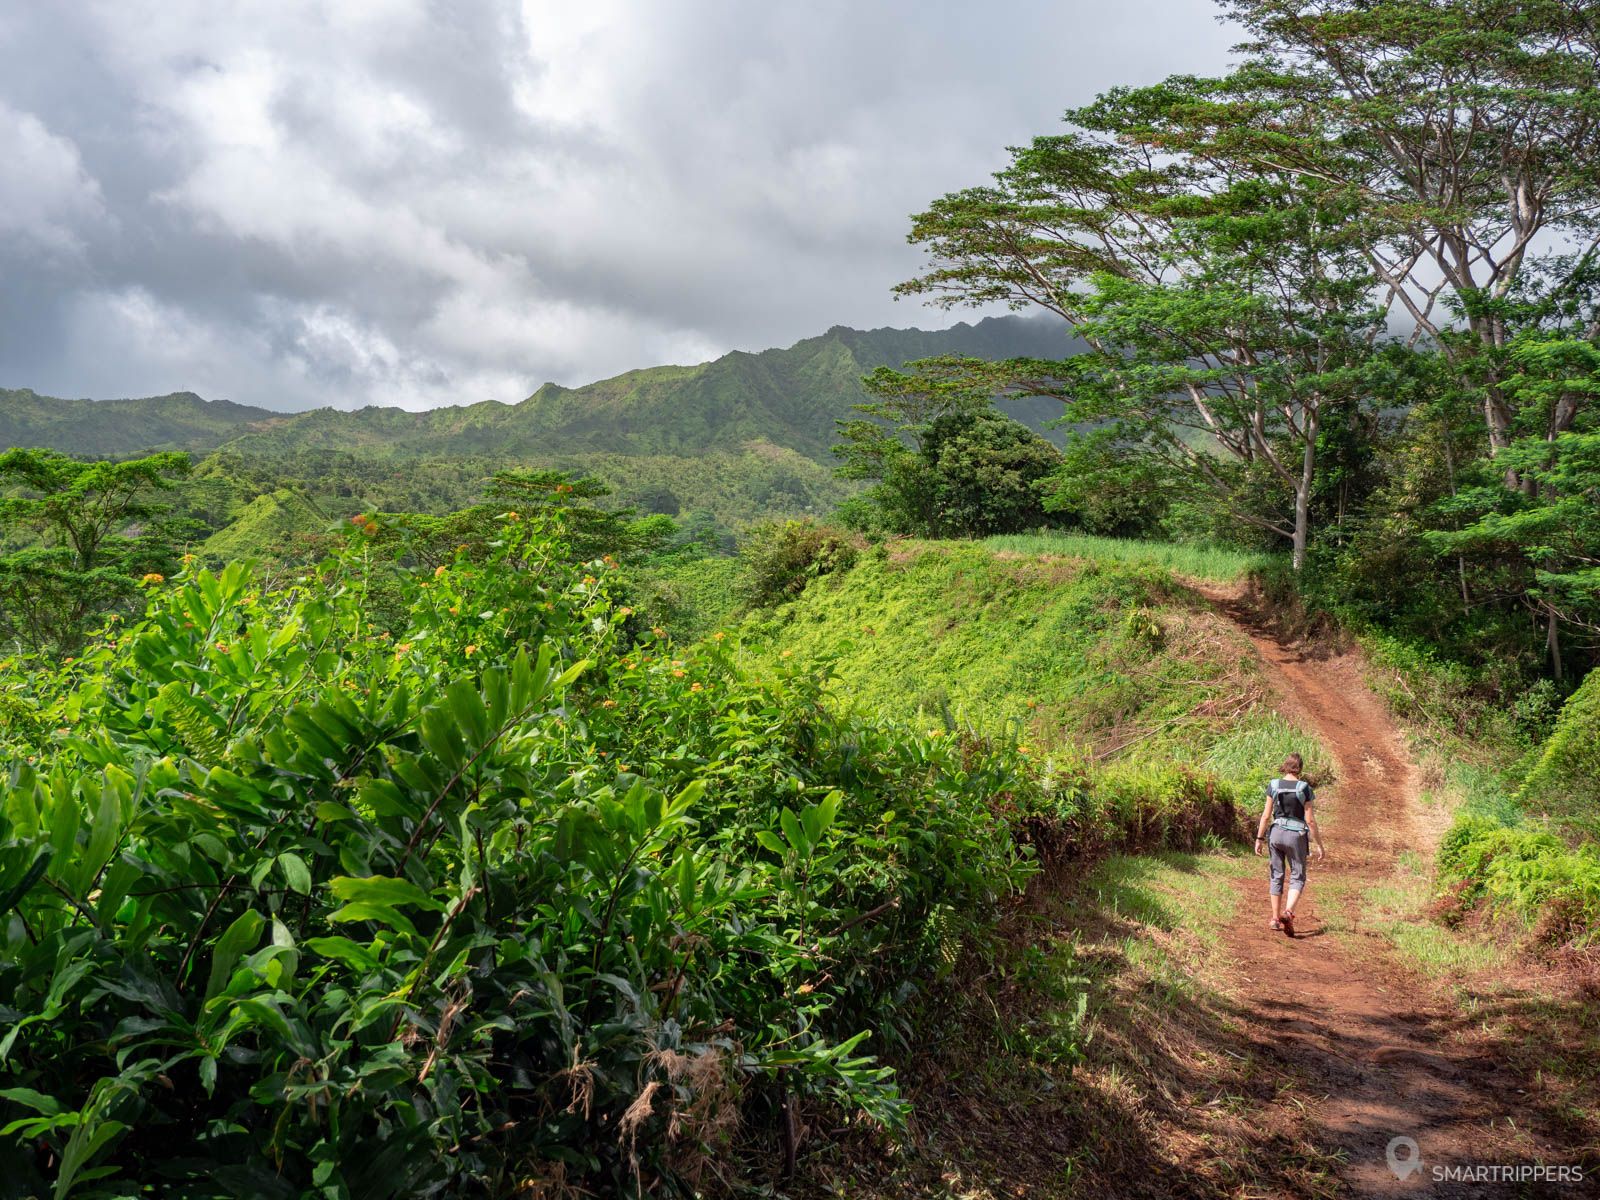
(37, 1101)
(791, 830)
(382, 889)
(342, 949)
(236, 940)
(295, 872)
(367, 910)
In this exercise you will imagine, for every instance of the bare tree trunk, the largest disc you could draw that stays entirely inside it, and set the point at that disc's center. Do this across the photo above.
(1553, 644)
(1302, 491)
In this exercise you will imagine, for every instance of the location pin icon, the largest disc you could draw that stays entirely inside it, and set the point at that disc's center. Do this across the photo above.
(1405, 1157)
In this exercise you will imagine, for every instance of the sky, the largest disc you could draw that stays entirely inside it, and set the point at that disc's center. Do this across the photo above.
(293, 203)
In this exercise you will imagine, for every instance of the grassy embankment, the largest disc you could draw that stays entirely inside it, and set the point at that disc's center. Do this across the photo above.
(1103, 1035)
(1105, 659)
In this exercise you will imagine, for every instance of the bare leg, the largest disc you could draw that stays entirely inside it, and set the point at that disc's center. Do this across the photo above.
(1288, 908)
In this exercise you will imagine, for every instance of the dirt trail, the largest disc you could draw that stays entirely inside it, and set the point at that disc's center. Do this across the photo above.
(1338, 1008)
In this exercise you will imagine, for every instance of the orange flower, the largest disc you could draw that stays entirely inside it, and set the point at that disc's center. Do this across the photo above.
(787, 654)
(695, 687)
(222, 647)
(718, 636)
(154, 577)
(438, 572)
(680, 672)
(469, 651)
(608, 704)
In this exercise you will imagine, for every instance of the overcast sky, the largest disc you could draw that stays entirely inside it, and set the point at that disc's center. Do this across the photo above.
(291, 203)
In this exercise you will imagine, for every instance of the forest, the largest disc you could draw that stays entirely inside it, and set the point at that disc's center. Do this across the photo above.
(826, 772)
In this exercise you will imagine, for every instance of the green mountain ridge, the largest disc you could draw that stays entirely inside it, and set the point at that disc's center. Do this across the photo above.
(743, 438)
(114, 428)
(789, 397)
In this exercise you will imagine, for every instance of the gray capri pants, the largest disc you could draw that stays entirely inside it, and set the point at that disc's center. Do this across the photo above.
(1289, 847)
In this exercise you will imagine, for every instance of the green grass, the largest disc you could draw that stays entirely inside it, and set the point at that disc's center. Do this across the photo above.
(1531, 868)
(265, 526)
(1250, 749)
(1060, 653)
(1214, 563)
(1396, 907)
(691, 599)
(1171, 891)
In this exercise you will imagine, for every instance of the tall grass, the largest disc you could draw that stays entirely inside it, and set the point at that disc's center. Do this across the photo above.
(1213, 563)
(1248, 754)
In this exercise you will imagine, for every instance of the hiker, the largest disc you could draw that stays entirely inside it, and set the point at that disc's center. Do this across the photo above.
(1293, 823)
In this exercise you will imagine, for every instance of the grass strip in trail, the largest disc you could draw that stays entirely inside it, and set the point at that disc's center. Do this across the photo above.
(1213, 563)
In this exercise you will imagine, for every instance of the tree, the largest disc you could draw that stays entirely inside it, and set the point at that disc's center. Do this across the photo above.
(942, 461)
(88, 532)
(1467, 132)
(1226, 313)
(569, 505)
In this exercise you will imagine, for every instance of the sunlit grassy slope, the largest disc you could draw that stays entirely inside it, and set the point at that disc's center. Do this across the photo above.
(1200, 562)
(1111, 655)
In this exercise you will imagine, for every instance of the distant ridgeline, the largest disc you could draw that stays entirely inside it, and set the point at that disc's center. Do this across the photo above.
(735, 440)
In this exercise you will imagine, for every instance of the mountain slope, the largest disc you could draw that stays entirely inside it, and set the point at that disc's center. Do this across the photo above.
(181, 421)
(787, 397)
(740, 439)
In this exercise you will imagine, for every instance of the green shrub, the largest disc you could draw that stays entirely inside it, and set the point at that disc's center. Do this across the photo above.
(295, 905)
(1527, 873)
(693, 598)
(780, 558)
(1565, 777)
(1079, 809)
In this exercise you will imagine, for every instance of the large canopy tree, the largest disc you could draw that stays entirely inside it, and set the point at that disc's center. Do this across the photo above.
(1227, 312)
(81, 534)
(1467, 131)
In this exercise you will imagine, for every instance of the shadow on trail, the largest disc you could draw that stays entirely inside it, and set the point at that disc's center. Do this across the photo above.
(1103, 1066)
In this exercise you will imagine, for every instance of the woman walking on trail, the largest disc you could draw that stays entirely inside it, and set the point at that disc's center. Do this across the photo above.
(1289, 815)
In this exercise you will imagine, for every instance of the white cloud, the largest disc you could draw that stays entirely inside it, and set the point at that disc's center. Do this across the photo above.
(400, 202)
(46, 196)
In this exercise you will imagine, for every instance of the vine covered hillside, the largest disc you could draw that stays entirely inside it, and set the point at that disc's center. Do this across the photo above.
(459, 880)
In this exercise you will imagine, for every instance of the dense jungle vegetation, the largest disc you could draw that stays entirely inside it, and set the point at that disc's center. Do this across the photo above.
(605, 795)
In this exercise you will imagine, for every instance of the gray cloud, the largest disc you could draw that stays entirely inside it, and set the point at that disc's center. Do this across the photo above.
(287, 202)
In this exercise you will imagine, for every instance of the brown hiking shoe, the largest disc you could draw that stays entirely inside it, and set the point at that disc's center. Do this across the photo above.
(1287, 924)
(1274, 924)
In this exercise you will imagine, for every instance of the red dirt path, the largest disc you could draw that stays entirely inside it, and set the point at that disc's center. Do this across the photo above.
(1386, 1055)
